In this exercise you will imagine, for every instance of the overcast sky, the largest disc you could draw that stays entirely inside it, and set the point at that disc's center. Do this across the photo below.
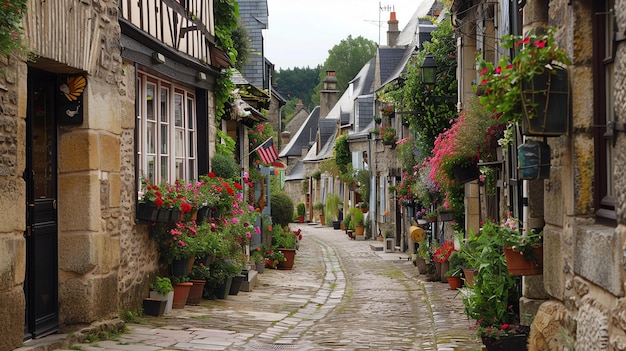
(300, 32)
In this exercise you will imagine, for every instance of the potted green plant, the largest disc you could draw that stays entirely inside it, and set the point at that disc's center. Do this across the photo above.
(363, 184)
(357, 221)
(285, 241)
(469, 253)
(198, 276)
(347, 219)
(523, 251)
(364, 206)
(442, 256)
(423, 257)
(509, 87)
(162, 286)
(388, 234)
(388, 135)
(273, 258)
(387, 110)
(301, 211)
(258, 258)
(455, 270)
(162, 289)
(319, 207)
(332, 209)
(489, 301)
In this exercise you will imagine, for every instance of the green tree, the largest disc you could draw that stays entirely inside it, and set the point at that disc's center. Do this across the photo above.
(346, 59)
(297, 83)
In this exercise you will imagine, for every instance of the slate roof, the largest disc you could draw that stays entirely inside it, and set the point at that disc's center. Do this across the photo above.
(389, 59)
(304, 137)
(296, 172)
(254, 14)
(327, 127)
(408, 34)
(362, 84)
(327, 148)
(416, 32)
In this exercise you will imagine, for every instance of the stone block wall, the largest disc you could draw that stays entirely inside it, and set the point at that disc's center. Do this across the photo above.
(12, 201)
(584, 260)
(138, 257)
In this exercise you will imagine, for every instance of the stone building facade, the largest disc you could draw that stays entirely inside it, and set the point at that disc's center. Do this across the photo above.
(73, 253)
(578, 303)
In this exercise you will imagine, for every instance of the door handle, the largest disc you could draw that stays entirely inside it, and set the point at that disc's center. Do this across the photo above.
(54, 204)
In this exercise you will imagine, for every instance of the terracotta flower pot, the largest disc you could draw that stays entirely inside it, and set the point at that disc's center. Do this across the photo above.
(181, 292)
(469, 274)
(290, 256)
(454, 282)
(195, 292)
(517, 264)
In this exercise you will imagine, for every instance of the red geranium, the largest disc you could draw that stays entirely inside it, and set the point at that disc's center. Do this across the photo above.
(442, 254)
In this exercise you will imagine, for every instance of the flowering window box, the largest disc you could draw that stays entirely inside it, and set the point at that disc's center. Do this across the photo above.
(517, 264)
(547, 96)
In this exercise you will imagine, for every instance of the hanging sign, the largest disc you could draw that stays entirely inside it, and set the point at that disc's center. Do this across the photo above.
(69, 93)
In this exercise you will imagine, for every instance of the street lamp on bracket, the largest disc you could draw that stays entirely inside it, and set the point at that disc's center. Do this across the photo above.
(429, 70)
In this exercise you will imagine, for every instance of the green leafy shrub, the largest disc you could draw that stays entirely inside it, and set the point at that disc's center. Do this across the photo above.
(162, 285)
(225, 166)
(301, 209)
(332, 206)
(357, 216)
(282, 237)
(281, 208)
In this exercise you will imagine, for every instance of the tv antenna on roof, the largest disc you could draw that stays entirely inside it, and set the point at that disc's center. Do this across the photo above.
(379, 23)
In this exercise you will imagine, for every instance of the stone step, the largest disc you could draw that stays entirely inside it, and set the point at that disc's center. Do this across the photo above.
(376, 247)
(250, 283)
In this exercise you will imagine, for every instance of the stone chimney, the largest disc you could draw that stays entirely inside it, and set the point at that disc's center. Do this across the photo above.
(299, 106)
(392, 32)
(329, 95)
(286, 136)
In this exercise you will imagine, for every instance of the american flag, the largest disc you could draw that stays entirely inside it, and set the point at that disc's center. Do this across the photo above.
(267, 151)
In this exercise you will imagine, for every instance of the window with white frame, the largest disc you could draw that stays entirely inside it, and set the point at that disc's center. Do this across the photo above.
(167, 131)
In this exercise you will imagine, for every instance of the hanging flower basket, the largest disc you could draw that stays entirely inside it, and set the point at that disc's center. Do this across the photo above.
(465, 173)
(446, 216)
(147, 212)
(517, 264)
(511, 343)
(533, 159)
(546, 98)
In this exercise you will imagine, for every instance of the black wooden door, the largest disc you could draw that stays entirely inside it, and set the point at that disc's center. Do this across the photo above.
(41, 285)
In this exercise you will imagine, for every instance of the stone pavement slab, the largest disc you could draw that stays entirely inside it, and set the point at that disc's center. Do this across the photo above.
(340, 295)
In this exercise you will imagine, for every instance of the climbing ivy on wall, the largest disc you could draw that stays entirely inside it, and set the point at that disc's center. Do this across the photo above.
(343, 157)
(226, 14)
(11, 31)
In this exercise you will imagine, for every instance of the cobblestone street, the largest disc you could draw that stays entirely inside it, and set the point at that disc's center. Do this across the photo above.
(340, 295)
